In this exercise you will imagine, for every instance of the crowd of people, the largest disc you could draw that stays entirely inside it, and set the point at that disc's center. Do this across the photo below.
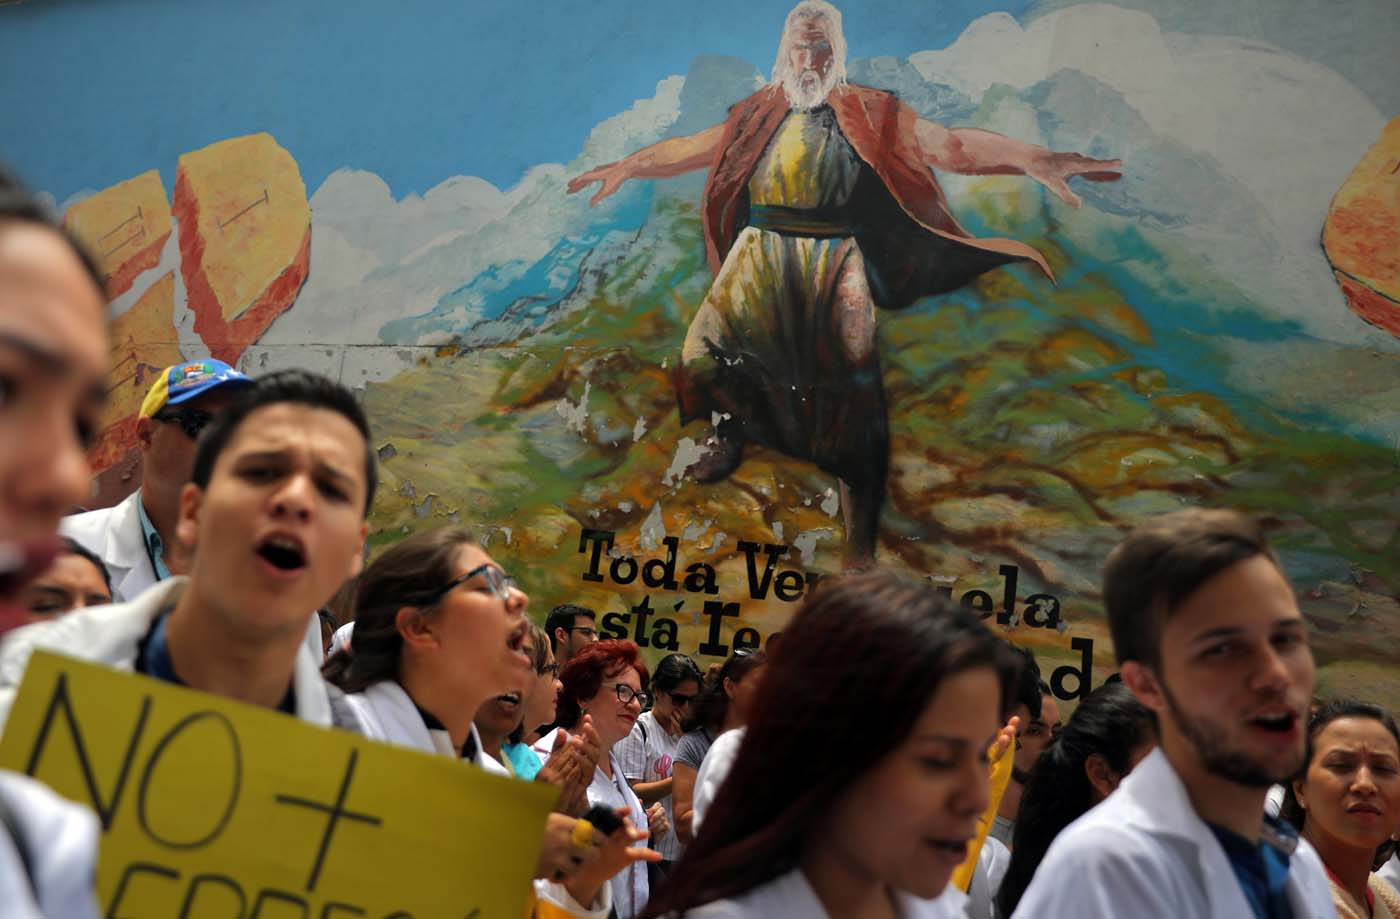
(844, 771)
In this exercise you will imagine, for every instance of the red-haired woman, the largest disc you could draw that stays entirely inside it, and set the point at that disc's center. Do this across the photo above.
(606, 681)
(893, 695)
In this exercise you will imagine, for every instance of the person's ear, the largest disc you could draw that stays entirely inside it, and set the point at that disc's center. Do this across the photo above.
(730, 687)
(1298, 793)
(1144, 684)
(415, 628)
(357, 560)
(1100, 775)
(561, 637)
(187, 523)
(145, 431)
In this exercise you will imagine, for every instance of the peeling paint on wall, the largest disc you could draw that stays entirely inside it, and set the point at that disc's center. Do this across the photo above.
(653, 529)
(688, 452)
(575, 416)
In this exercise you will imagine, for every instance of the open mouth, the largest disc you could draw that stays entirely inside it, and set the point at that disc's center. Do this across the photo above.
(516, 641)
(1277, 722)
(508, 699)
(284, 553)
(954, 848)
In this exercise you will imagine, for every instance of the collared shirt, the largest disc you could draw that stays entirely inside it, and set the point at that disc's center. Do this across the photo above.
(155, 546)
(153, 659)
(1262, 869)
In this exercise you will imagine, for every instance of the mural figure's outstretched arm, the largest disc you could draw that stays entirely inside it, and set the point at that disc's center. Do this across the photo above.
(663, 159)
(972, 151)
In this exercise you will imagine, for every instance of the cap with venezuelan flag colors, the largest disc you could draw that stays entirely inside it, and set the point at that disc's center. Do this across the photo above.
(190, 380)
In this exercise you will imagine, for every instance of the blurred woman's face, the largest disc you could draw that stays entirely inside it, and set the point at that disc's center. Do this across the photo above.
(742, 693)
(71, 582)
(907, 822)
(1351, 791)
(542, 694)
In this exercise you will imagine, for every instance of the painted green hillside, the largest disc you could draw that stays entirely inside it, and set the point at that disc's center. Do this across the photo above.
(1031, 426)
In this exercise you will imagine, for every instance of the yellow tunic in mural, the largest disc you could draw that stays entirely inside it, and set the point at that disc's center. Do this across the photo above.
(785, 340)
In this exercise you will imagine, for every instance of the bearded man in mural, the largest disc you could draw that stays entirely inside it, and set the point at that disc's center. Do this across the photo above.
(820, 205)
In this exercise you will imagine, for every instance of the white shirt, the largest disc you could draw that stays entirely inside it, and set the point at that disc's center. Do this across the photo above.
(114, 534)
(1145, 852)
(629, 886)
(790, 896)
(60, 840)
(992, 862)
(713, 771)
(646, 755)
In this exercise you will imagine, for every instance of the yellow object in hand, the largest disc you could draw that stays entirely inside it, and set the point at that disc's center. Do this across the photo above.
(1000, 778)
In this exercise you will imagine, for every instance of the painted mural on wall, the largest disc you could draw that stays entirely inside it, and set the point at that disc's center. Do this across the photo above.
(783, 337)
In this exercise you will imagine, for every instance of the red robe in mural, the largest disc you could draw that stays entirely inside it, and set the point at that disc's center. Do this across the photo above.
(812, 219)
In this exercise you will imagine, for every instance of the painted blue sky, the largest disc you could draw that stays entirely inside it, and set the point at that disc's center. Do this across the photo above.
(98, 92)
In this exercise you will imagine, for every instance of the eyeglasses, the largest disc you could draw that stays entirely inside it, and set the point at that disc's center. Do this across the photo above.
(586, 630)
(626, 694)
(497, 582)
(190, 420)
(551, 669)
(680, 699)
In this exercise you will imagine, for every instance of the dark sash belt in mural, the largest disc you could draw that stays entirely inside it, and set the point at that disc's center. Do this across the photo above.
(815, 223)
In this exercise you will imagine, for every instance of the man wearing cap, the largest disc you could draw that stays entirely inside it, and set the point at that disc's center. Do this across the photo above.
(136, 538)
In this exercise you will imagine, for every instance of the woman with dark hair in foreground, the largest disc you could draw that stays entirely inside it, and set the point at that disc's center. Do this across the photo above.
(887, 698)
(1108, 734)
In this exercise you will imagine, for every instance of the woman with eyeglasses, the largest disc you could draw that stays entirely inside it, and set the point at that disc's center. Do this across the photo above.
(605, 681)
(723, 705)
(647, 754)
(864, 770)
(439, 629)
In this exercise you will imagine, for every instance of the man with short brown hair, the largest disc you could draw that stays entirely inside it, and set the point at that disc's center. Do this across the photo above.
(1208, 636)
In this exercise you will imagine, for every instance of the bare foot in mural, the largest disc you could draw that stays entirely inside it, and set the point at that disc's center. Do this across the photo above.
(723, 454)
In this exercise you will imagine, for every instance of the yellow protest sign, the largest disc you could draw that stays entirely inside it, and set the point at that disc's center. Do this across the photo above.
(212, 809)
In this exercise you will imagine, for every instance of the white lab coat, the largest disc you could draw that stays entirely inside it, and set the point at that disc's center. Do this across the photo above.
(790, 896)
(719, 759)
(114, 535)
(387, 714)
(110, 634)
(992, 861)
(60, 841)
(1145, 852)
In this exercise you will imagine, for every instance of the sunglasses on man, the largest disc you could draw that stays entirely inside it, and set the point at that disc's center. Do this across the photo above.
(190, 420)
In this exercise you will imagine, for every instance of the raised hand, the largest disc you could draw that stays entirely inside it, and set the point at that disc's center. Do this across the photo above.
(611, 854)
(1054, 170)
(569, 770)
(1005, 738)
(611, 175)
(657, 824)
